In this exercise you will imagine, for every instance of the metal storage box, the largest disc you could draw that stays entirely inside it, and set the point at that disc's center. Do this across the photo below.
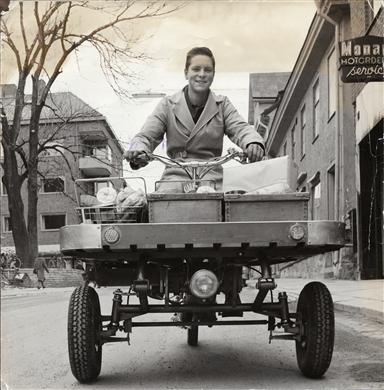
(185, 207)
(272, 207)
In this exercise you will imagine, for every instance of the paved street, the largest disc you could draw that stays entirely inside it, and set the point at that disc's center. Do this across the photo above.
(34, 353)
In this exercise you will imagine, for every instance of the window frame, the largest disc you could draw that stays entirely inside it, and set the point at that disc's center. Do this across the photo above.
(316, 108)
(52, 192)
(315, 182)
(4, 224)
(52, 153)
(293, 140)
(331, 196)
(285, 148)
(3, 191)
(334, 80)
(42, 221)
(303, 125)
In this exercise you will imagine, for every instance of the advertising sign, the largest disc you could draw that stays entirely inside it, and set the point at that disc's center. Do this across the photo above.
(361, 59)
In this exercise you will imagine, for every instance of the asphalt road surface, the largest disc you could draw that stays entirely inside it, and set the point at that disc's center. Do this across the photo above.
(34, 353)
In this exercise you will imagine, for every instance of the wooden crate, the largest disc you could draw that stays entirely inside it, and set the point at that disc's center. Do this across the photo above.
(185, 207)
(273, 207)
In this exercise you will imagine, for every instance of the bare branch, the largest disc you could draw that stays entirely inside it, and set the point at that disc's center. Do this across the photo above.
(23, 31)
(20, 151)
(11, 43)
(64, 29)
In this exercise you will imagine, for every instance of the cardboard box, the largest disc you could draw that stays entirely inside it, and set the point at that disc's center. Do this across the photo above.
(277, 175)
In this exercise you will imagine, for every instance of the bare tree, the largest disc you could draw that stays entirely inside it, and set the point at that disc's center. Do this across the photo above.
(45, 36)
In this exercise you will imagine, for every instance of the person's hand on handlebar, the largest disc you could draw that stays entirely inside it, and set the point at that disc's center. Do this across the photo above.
(137, 158)
(254, 152)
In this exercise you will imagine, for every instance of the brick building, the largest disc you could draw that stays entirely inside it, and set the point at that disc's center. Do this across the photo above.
(334, 133)
(71, 127)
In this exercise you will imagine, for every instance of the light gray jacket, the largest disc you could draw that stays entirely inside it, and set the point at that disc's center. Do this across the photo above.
(194, 141)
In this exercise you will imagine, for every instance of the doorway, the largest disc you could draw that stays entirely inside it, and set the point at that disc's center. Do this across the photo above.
(371, 203)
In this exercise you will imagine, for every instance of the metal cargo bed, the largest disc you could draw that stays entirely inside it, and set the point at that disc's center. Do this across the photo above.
(272, 240)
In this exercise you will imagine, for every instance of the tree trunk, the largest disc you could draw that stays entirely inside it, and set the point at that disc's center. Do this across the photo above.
(13, 182)
(32, 171)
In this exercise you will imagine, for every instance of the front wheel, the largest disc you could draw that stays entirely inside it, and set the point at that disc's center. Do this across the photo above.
(84, 327)
(316, 318)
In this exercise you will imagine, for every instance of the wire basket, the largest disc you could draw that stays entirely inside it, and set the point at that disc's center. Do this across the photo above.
(110, 214)
(94, 210)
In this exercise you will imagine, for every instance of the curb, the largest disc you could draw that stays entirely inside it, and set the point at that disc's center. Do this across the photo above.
(371, 314)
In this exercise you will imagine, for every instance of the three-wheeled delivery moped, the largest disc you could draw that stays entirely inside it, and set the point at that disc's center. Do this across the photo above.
(184, 249)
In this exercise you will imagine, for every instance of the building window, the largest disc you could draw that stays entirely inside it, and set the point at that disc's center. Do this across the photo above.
(332, 83)
(316, 109)
(315, 196)
(293, 142)
(3, 190)
(55, 184)
(285, 148)
(97, 150)
(53, 221)
(54, 149)
(302, 131)
(7, 227)
(331, 192)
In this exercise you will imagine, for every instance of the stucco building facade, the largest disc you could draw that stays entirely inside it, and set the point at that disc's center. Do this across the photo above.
(333, 131)
(71, 128)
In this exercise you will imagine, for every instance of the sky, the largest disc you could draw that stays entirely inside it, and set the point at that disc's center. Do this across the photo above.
(246, 36)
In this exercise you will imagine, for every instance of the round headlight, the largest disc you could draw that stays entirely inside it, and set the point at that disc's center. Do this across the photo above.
(111, 235)
(297, 232)
(204, 284)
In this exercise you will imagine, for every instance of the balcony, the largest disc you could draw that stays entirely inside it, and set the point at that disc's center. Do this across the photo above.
(95, 166)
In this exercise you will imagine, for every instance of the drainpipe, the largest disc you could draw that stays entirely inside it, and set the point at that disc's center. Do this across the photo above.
(339, 160)
(339, 163)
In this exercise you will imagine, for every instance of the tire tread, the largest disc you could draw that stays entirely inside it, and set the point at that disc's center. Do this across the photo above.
(315, 360)
(85, 362)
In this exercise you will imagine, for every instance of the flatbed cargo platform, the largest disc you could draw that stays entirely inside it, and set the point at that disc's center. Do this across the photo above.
(278, 241)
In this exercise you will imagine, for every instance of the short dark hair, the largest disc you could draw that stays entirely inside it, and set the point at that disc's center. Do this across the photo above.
(199, 51)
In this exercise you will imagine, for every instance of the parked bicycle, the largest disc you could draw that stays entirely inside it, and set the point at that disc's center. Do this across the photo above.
(56, 262)
(9, 260)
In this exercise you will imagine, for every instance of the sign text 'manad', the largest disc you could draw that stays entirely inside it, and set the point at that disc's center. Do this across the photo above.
(362, 59)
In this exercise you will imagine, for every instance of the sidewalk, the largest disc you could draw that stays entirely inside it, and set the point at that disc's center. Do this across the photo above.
(365, 297)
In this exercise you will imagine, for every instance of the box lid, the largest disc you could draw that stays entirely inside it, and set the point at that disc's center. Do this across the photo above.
(294, 196)
(193, 196)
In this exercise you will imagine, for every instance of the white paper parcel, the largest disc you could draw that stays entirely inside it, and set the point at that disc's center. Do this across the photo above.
(267, 176)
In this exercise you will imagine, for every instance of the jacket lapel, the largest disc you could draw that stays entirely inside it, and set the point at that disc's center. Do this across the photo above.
(210, 110)
(182, 113)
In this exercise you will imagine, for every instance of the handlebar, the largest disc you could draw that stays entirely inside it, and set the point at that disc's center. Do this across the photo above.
(196, 169)
(231, 155)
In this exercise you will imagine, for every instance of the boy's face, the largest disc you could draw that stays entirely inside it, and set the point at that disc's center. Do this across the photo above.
(200, 73)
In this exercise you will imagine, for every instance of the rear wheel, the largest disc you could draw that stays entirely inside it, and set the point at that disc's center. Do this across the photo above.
(316, 317)
(84, 327)
(193, 335)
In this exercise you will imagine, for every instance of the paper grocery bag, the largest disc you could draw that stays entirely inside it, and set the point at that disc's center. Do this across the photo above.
(268, 176)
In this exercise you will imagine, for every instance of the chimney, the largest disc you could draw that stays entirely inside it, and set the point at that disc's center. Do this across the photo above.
(8, 90)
